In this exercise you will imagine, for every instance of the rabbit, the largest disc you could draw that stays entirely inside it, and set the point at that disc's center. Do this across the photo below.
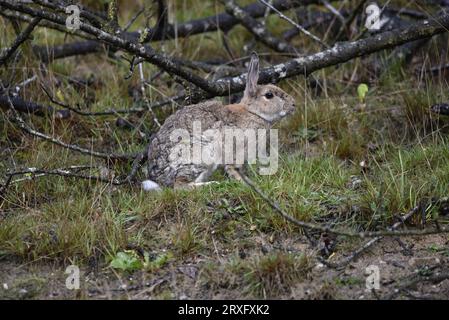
(260, 107)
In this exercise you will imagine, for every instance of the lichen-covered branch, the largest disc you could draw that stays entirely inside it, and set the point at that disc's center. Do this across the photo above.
(342, 52)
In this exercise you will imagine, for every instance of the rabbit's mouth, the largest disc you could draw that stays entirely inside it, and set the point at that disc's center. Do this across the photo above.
(288, 111)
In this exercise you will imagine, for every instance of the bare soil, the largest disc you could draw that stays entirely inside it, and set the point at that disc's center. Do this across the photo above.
(399, 264)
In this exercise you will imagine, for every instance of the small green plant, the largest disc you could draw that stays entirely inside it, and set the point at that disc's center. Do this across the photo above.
(274, 274)
(362, 90)
(437, 249)
(127, 261)
(349, 281)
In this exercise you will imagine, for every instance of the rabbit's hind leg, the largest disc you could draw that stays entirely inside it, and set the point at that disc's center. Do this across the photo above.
(202, 179)
(204, 176)
(192, 185)
(233, 172)
(202, 184)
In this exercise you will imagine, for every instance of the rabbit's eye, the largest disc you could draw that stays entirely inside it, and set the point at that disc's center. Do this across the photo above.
(269, 95)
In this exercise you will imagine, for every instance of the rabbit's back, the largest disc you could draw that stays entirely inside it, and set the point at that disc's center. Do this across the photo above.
(167, 168)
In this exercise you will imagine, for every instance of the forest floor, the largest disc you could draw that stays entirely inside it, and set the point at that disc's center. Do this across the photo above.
(406, 271)
(354, 163)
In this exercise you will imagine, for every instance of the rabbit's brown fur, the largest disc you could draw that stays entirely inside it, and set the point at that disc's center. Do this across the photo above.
(260, 107)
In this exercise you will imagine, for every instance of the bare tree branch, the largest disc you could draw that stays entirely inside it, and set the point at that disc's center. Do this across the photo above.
(30, 107)
(300, 28)
(257, 28)
(415, 279)
(21, 38)
(64, 172)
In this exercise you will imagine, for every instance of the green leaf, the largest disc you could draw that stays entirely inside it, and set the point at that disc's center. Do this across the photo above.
(362, 89)
(126, 261)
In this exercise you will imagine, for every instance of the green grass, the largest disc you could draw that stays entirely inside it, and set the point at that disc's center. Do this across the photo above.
(76, 218)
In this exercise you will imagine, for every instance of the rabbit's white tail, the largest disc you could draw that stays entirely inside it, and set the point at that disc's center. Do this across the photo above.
(149, 185)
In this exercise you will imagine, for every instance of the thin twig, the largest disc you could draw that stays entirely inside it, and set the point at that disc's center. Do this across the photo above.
(145, 98)
(21, 38)
(26, 128)
(415, 279)
(108, 112)
(325, 229)
(333, 10)
(257, 28)
(65, 172)
(368, 244)
(133, 19)
(300, 28)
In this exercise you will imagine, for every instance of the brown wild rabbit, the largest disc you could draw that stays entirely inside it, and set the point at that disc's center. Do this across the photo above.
(260, 107)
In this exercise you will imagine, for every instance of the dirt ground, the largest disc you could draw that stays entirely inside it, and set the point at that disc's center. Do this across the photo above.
(406, 270)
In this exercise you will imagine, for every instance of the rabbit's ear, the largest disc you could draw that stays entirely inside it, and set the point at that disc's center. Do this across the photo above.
(253, 76)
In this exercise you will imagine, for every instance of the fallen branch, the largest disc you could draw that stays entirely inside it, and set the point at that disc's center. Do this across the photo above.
(64, 172)
(71, 172)
(415, 279)
(326, 229)
(368, 244)
(31, 107)
(47, 54)
(21, 38)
